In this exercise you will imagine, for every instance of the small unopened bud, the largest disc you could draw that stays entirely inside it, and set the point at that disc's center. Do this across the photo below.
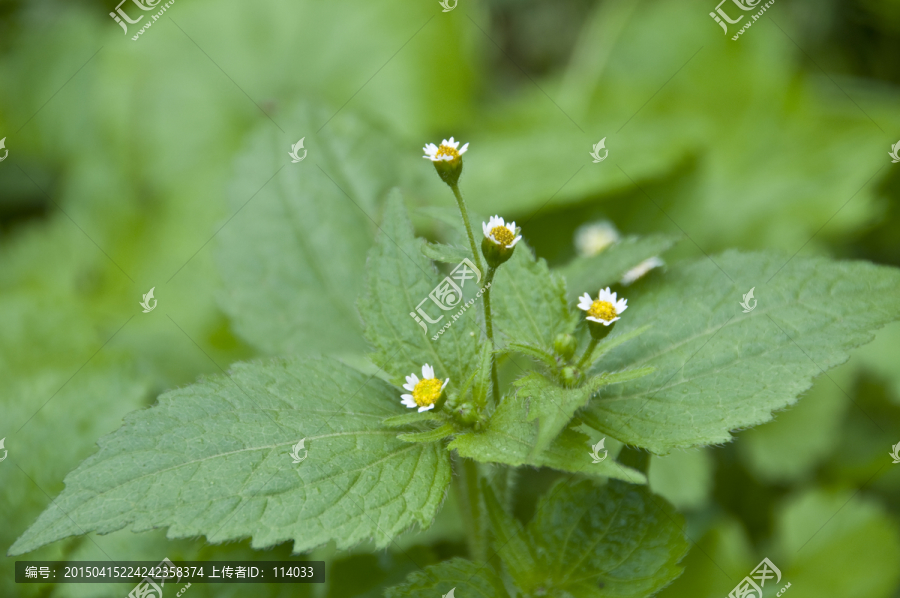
(570, 376)
(565, 345)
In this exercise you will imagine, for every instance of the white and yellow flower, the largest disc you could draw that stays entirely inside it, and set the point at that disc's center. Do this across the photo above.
(603, 310)
(500, 232)
(425, 392)
(447, 151)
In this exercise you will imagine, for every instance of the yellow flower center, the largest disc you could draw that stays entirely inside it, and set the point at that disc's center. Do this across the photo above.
(427, 392)
(502, 235)
(446, 150)
(602, 310)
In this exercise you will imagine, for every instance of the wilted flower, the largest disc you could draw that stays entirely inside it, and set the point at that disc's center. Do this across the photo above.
(593, 238)
(641, 269)
(425, 392)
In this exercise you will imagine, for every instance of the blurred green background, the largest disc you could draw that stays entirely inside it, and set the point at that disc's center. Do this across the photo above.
(126, 159)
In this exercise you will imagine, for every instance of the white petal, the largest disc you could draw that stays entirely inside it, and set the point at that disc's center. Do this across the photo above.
(516, 240)
(484, 229)
(409, 387)
(463, 149)
(412, 379)
(408, 402)
(445, 383)
(426, 408)
(427, 372)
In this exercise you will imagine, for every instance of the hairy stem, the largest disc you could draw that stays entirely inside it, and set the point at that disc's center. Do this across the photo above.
(489, 329)
(588, 352)
(465, 216)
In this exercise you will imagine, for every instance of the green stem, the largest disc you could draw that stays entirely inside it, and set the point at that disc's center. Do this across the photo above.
(472, 508)
(465, 216)
(489, 328)
(588, 352)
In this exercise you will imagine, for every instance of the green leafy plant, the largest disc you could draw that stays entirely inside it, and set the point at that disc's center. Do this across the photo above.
(531, 381)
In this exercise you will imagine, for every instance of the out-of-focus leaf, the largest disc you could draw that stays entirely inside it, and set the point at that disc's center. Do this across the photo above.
(589, 274)
(787, 449)
(684, 478)
(294, 256)
(823, 535)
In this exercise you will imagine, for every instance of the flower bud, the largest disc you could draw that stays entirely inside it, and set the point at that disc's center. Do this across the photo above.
(570, 376)
(565, 345)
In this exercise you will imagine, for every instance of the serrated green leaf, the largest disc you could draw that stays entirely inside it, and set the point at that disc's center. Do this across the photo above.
(211, 460)
(529, 301)
(467, 579)
(448, 254)
(510, 438)
(399, 278)
(719, 369)
(589, 274)
(616, 540)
